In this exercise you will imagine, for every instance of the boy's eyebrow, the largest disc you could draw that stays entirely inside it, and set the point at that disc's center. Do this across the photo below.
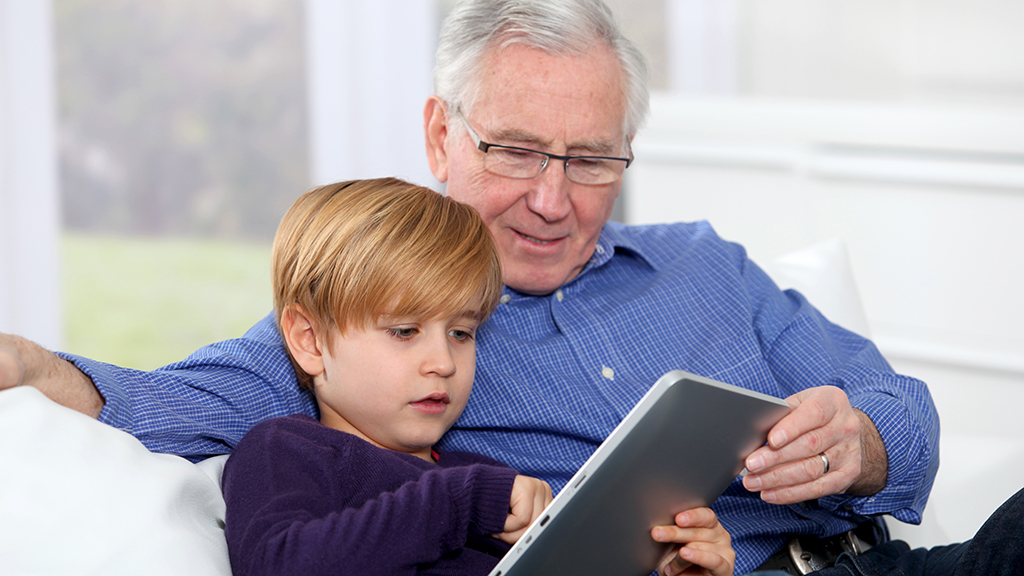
(477, 315)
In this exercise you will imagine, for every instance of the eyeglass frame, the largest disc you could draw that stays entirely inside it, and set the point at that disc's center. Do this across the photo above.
(485, 146)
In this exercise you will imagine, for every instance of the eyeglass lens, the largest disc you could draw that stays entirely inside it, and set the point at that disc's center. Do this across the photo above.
(524, 164)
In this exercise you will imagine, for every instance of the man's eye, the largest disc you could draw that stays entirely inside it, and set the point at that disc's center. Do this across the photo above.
(589, 164)
(402, 333)
(515, 157)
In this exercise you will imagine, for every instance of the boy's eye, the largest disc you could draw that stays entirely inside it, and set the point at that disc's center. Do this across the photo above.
(461, 335)
(402, 333)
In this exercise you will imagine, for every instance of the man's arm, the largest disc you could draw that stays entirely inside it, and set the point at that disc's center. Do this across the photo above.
(25, 363)
(195, 408)
(878, 430)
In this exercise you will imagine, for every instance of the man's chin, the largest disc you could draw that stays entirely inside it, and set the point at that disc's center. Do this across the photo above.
(538, 284)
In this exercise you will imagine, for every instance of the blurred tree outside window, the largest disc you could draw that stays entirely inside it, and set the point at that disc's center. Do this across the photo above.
(182, 130)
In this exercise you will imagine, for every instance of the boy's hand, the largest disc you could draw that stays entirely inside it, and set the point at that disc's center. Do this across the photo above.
(707, 547)
(529, 498)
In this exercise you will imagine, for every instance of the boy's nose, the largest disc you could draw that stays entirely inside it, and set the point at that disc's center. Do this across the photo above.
(439, 359)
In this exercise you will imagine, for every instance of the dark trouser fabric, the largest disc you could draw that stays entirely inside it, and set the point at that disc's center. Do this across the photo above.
(996, 550)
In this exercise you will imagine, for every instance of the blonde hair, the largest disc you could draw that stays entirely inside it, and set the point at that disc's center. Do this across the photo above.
(350, 252)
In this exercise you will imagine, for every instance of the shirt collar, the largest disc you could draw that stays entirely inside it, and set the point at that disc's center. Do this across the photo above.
(615, 237)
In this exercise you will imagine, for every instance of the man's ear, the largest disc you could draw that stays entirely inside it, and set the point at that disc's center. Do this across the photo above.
(435, 128)
(300, 335)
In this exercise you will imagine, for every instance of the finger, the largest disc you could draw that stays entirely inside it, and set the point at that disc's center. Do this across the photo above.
(510, 537)
(514, 523)
(801, 462)
(685, 535)
(697, 517)
(799, 466)
(673, 565)
(707, 556)
(842, 432)
(811, 408)
(780, 488)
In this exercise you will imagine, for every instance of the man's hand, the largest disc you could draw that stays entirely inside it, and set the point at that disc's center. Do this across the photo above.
(24, 363)
(707, 546)
(790, 468)
(530, 497)
(12, 369)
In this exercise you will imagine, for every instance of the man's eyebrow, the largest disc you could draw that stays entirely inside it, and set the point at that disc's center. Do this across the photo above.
(595, 146)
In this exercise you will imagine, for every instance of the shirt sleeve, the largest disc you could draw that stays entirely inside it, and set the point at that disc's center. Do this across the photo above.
(289, 512)
(804, 350)
(203, 405)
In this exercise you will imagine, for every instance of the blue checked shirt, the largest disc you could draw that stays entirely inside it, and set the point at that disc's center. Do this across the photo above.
(556, 373)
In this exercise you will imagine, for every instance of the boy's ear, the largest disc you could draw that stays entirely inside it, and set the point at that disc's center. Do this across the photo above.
(435, 128)
(300, 336)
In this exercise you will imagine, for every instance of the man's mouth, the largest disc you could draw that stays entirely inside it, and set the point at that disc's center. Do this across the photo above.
(534, 239)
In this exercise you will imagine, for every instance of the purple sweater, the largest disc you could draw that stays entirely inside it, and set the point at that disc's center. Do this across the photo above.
(306, 499)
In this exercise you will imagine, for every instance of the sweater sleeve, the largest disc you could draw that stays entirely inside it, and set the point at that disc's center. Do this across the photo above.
(292, 511)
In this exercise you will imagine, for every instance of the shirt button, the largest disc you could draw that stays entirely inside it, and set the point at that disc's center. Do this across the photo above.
(600, 249)
(504, 298)
(559, 295)
(608, 373)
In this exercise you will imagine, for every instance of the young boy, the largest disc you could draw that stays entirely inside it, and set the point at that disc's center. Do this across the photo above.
(379, 289)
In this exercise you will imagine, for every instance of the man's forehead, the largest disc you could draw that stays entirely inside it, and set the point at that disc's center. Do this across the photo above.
(531, 96)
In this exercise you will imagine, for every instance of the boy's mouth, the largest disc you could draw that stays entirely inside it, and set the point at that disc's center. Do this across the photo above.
(435, 403)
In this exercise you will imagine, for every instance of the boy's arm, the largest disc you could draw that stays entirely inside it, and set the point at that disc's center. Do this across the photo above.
(25, 363)
(289, 512)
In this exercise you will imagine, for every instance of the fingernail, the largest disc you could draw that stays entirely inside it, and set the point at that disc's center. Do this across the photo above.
(768, 497)
(752, 483)
(779, 438)
(658, 534)
(755, 463)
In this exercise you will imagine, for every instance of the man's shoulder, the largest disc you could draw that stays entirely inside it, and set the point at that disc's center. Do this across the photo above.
(654, 234)
(261, 346)
(663, 243)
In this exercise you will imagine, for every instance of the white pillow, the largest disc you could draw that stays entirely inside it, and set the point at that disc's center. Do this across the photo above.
(81, 497)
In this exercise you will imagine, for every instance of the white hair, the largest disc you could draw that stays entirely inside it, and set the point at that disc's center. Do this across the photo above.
(559, 27)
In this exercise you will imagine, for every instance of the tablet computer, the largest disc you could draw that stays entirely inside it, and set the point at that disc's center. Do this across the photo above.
(679, 448)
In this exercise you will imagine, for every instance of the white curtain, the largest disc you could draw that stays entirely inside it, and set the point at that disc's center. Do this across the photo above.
(29, 214)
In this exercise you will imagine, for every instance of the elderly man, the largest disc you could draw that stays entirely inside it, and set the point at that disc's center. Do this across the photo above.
(536, 105)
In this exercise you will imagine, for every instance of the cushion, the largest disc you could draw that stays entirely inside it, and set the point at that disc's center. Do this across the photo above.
(81, 497)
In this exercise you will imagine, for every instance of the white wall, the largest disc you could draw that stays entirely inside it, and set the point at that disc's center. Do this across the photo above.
(929, 202)
(369, 68)
(29, 215)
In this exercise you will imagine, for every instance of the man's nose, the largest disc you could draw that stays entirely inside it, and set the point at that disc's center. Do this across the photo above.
(550, 195)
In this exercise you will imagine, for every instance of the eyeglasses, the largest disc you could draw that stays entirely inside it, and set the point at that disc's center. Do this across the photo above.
(515, 162)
